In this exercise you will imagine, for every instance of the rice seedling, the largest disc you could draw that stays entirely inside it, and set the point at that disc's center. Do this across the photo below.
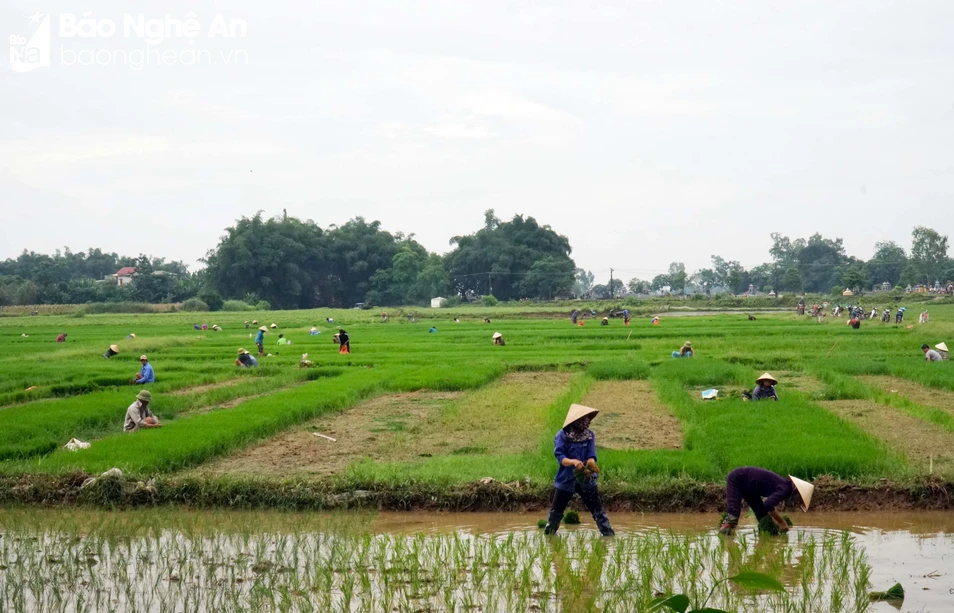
(121, 561)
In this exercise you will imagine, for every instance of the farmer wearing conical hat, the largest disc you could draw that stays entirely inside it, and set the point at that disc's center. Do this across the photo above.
(260, 340)
(138, 414)
(684, 352)
(499, 339)
(763, 491)
(942, 349)
(765, 388)
(575, 451)
(245, 359)
(113, 350)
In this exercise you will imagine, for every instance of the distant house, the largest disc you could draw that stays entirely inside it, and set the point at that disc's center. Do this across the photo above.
(125, 275)
(436, 303)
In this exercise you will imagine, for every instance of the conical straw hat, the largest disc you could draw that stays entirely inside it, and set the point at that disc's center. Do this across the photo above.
(941, 346)
(576, 412)
(263, 329)
(242, 351)
(805, 490)
(766, 376)
(114, 348)
(497, 334)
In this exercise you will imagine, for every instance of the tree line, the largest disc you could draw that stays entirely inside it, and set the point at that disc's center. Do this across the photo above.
(288, 263)
(816, 265)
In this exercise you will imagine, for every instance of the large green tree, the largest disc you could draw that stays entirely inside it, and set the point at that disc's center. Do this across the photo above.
(887, 264)
(284, 261)
(497, 258)
(929, 254)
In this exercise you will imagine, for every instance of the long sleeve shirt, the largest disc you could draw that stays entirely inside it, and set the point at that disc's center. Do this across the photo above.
(752, 483)
(933, 356)
(135, 415)
(259, 338)
(764, 393)
(146, 374)
(564, 448)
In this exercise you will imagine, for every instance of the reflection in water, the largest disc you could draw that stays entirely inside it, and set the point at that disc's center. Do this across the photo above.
(157, 559)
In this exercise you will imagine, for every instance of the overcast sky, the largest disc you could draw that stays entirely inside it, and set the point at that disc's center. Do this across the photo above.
(646, 132)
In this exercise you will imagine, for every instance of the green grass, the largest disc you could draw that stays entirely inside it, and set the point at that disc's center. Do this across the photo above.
(79, 394)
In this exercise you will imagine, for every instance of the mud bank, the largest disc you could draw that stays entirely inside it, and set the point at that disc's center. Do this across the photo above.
(671, 496)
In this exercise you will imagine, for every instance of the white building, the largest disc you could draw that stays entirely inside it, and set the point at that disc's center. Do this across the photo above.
(437, 302)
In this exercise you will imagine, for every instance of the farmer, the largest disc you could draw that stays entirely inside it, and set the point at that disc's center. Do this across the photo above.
(260, 340)
(854, 322)
(344, 341)
(684, 352)
(765, 388)
(575, 449)
(433, 329)
(245, 359)
(113, 350)
(131, 335)
(499, 339)
(605, 321)
(282, 340)
(196, 327)
(61, 338)
(625, 317)
(942, 349)
(247, 324)
(574, 316)
(138, 414)
(314, 331)
(763, 490)
(274, 326)
(899, 316)
(930, 355)
(146, 375)
(216, 328)
(486, 320)
(205, 326)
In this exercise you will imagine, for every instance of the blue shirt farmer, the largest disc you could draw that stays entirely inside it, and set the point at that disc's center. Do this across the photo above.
(147, 375)
(565, 448)
(260, 338)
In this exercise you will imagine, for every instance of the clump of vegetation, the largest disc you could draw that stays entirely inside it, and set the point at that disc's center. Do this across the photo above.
(541, 523)
(895, 592)
(768, 526)
(194, 304)
(571, 517)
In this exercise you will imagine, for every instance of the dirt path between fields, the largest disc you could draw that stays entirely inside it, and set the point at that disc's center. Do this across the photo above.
(920, 442)
(923, 395)
(631, 417)
(505, 417)
(201, 389)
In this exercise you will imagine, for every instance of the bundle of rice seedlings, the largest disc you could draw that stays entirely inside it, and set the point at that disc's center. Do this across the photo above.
(895, 592)
(571, 517)
(768, 526)
(541, 523)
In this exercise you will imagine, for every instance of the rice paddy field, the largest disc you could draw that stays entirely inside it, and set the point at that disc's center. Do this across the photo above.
(418, 421)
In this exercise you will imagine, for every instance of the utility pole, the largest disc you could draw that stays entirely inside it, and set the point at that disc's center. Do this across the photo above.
(612, 289)
(490, 284)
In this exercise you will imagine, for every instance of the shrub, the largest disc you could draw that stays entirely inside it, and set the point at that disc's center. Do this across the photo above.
(236, 305)
(79, 313)
(212, 298)
(263, 305)
(194, 304)
(453, 301)
(490, 300)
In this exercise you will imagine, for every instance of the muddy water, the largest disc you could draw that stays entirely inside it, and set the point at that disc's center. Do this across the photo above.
(915, 549)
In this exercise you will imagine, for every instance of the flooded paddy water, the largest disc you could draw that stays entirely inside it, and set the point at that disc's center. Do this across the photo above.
(181, 560)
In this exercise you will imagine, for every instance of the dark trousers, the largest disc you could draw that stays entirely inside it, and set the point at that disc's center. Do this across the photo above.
(591, 498)
(735, 493)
